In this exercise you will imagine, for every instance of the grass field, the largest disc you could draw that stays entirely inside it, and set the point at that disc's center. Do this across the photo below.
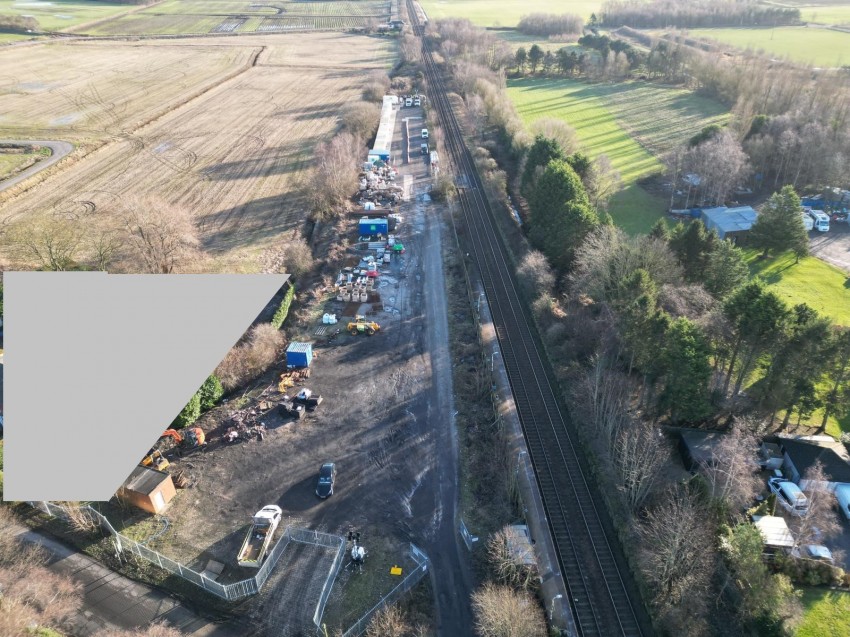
(812, 281)
(818, 46)
(633, 123)
(235, 155)
(10, 162)
(100, 90)
(822, 12)
(59, 15)
(826, 613)
(241, 16)
(504, 13)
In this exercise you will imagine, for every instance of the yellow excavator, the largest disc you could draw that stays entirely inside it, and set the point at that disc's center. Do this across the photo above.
(155, 460)
(360, 326)
(189, 439)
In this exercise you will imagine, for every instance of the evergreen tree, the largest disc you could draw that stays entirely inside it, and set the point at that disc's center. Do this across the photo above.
(535, 57)
(660, 230)
(561, 216)
(725, 269)
(685, 358)
(210, 392)
(780, 225)
(190, 413)
(693, 245)
(542, 151)
(580, 163)
(521, 57)
(837, 372)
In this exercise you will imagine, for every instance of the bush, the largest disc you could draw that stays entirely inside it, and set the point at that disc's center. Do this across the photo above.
(191, 412)
(361, 118)
(210, 392)
(283, 309)
(444, 188)
(252, 357)
(535, 275)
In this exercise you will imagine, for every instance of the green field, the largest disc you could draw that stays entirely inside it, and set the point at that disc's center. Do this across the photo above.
(634, 123)
(824, 13)
(812, 281)
(10, 162)
(504, 13)
(818, 46)
(60, 15)
(826, 613)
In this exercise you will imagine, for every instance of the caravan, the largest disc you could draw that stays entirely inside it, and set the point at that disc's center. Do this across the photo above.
(789, 496)
(820, 219)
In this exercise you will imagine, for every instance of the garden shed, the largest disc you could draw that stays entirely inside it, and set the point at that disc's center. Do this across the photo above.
(147, 489)
(697, 447)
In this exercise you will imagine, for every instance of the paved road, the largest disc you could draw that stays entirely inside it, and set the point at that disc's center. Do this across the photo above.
(114, 601)
(59, 150)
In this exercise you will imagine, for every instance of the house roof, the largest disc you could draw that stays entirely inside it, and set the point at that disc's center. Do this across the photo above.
(774, 530)
(805, 454)
(726, 220)
(144, 480)
(701, 444)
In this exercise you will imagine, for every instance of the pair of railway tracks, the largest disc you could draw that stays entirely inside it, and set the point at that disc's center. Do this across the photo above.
(602, 599)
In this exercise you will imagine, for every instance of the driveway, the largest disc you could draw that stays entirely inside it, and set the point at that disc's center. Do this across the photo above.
(58, 151)
(833, 246)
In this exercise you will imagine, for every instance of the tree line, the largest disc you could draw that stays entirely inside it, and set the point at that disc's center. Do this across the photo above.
(694, 14)
(547, 24)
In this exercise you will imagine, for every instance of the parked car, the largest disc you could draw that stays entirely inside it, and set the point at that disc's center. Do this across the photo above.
(790, 496)
(423, 148)
(424, 133)
(327, 477)
(408, 101)
(417, 102)
(815, 552)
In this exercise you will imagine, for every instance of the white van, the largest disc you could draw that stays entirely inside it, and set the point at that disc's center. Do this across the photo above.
(408, 101)
(842, 497)
(424, 133)
(790, 496)
(821, 220)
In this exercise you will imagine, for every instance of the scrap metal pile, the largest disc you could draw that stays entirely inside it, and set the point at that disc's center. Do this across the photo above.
(377, 184)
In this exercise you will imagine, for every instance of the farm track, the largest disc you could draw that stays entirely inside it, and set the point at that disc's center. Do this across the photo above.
(603, 600)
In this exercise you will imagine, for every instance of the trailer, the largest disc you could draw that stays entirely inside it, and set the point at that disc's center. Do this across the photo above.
(259, 538)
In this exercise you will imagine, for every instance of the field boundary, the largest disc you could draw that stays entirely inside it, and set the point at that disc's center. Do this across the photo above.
(229, 592)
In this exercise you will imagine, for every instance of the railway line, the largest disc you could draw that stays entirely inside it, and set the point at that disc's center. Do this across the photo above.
(602, 597)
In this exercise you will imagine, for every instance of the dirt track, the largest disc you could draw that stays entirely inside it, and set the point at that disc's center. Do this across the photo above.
(58, 151)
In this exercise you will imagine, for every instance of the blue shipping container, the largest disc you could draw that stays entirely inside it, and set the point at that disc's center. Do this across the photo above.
(373, 226)
(299, 355)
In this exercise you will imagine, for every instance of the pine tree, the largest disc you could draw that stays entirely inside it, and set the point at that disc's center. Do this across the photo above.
(685, 357)
(535, 56)
(660, 230)
(725, 269)
(780, 226)
(542, 151)
(693, 245)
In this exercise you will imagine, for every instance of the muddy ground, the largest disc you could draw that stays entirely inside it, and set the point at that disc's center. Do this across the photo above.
(386, 420)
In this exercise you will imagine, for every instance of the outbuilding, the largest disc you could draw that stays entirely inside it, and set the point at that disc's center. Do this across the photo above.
(729, 223)
(801, 455)
(299, 355)
(697, 447)
(774, 531)
(147, 489)
(373, 226)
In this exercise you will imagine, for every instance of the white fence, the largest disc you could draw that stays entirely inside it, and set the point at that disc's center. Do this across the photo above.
(230, 592)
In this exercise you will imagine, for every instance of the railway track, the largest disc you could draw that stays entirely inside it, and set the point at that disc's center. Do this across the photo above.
(603, 600)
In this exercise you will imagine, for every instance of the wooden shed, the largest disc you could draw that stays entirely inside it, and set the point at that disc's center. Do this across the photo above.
(147, 489)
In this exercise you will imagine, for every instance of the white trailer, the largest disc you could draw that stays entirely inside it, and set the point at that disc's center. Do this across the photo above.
(260, 536)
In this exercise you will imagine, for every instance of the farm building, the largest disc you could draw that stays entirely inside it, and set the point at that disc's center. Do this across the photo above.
(299, 355)
(697, 447)
(384, 137)
(373, 226)
(800, 455)
(147, 489)
(729, 223)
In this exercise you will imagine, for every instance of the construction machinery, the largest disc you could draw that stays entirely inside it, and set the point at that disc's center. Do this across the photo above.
(155, 460)
(361, 326)
(190, 438)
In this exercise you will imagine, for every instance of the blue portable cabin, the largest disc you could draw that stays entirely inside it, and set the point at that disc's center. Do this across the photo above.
(299, 355)
(371, 226)
(378, 154)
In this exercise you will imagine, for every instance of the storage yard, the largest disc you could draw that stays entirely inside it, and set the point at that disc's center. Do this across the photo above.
(237, 154)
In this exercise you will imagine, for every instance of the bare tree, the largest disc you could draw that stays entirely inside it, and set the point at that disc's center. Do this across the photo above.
(510, 556)
(503, 612)
(606, 393)
(720, 164)
(676, 541)
(336, 173)
(361, 118)
(558, 130)
(162, 237)
(390, 621)
(54, 242)
(250, 358)
(104, 244)
(377, 86)
(731, 474)
(292, 256)
(639, 453)
(79, 518)
(535, 274)
(821, 521)
(602, 182)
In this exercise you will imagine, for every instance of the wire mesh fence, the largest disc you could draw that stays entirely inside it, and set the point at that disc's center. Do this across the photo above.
(230, 592)
(412, 578)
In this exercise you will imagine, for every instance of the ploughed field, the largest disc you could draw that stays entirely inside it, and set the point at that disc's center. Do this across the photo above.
(234, 147)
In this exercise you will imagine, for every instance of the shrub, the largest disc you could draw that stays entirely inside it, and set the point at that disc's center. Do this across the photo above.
(252, 357)
(191, 412)
(210, 392)
(283, 309)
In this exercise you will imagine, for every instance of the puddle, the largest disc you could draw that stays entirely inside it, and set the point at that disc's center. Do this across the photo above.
(162, 147)
(65, 119)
